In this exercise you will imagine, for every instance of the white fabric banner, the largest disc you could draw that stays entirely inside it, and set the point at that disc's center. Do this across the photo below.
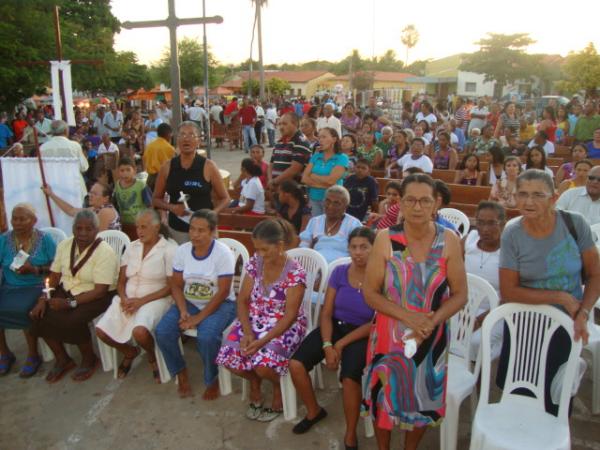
(22, 182)
(65, 68)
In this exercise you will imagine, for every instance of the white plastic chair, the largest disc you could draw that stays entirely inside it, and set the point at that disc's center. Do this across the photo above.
(118, 241)
(57, 234)
(596, 233)
(457, 218)
(462, 377)
(593, 346)
(517, 421)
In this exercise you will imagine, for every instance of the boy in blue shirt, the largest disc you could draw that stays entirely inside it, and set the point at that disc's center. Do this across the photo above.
(363, 190)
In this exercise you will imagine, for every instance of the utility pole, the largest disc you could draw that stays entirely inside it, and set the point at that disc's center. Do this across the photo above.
(260, 50)
(206, 104)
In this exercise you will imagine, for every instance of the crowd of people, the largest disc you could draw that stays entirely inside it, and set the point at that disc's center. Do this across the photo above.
(405, 266)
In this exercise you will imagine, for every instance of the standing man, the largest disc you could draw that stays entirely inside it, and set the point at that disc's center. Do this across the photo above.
(164, 112)
(198, 115)
(248, 119)
(586, 124)
(329, 120)
(260, 121)
(290, 155)
(271, 123)
(42, 125)
(99, 121)
(372, 110)
(479, 115)
(113, 121)
(157, 152)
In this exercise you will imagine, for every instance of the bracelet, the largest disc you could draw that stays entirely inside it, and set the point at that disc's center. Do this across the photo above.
(586, 311)
(327, 344)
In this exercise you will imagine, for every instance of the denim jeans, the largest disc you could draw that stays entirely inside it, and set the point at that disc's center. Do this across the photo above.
(249, 136)
(271, 136)
(208, 341)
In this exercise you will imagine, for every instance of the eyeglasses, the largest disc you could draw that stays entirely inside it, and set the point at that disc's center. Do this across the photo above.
(593, 178)
(424, 202)
(187, 136)
(535, 196)
(487, 223)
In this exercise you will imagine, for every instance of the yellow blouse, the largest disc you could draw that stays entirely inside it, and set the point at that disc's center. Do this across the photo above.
(101, 268)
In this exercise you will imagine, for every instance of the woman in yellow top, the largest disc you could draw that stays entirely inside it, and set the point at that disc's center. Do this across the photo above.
(82, 278)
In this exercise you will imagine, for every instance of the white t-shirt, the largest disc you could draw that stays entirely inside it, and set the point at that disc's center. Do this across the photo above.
(548, 147)
(112, 148)
(547, 169)
(271, 118)
(423, 163)
(201, 274)
(429, 118)
(475, 121)
(252, 189)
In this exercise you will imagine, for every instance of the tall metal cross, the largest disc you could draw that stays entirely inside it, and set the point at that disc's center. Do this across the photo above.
(172, 22)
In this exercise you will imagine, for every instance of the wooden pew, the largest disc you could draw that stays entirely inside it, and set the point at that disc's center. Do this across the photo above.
(460, 193)
(470, 210)
(446, 176)
(240, 221)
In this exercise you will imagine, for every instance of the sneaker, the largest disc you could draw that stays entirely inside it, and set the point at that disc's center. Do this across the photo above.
(254, 411)
(268, 414)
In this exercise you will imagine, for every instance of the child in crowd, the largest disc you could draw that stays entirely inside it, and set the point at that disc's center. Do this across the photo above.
(468, 171)
(389, 209)
(536, 159)
(348, 145)
(363, 190)
(257, 154)
(252, 196)
(130, 196)
(369, 151)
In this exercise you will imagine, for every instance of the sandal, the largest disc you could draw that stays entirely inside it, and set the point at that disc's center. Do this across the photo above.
(268, 414)
(125, 368)
(84, 373)
(306, 424)
(32, 365)
(254, 411)
(6, 363)
(57, 372)
(155, 371)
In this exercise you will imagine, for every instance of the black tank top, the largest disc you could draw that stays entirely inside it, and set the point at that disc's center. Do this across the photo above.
(191, 182)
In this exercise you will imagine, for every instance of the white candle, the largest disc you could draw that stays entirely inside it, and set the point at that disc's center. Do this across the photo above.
(183, 198)
(47, 289)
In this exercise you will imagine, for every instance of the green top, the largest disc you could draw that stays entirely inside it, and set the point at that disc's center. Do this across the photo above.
(585, 126)
(131, 200)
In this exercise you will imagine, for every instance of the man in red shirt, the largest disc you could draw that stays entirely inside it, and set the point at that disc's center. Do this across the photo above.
(248, 119)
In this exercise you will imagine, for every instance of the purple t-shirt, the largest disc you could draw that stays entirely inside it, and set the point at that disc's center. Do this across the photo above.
(349, 306)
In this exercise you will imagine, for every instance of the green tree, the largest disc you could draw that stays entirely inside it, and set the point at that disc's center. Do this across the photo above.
(502, 58)
(582, 71)
(363, 81)
(388, 62)
(416, 68)
(191, 63)
(254, 87)
(277, 86)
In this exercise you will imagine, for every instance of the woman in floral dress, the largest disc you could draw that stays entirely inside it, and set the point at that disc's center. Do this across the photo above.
(271, 323)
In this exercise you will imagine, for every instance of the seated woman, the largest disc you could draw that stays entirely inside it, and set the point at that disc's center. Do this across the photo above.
(582, 170)
(389, 208)
(99, 198)
(292, 205)
(22, 286)
(482, 257)
(536, 159)
(340, 340)
(201, 286)
(144, 293)
(567, 170)
(504, 190)
(252, 195)
(271, 323)
(328, 233)
(468, 171)
(83, 276)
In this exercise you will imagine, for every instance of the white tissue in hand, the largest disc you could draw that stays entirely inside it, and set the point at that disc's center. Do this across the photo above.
(410, 345)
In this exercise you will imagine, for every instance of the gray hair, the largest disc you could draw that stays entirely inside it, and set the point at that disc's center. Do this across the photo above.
(59, 128)
(153, 213)
(207, 214)
(189, 123)
(388, 129)
(86, 214)
(536, 175)
(27, 207)
(339, 190)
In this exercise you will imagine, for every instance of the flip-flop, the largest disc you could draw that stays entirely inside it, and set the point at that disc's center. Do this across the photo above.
(268, 414)
(125, 368)
(85, 373)
(254, 411)
(31, 367)
(6, 363)
(57, 373)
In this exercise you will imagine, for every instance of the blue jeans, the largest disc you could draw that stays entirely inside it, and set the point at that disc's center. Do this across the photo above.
(208, 341)
(249, 136)
(271, 136)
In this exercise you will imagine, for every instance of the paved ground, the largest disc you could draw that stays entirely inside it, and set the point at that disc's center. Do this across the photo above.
(136, 414)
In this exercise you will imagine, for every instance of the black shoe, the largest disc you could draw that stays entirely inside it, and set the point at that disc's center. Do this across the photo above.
(306, 424)
(350, 447)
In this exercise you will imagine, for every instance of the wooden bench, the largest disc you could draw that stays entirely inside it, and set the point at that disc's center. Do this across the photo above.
(240, 221)
(470, 210)
(460, 192)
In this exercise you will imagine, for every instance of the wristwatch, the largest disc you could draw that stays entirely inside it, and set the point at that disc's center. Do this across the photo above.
(72, 303)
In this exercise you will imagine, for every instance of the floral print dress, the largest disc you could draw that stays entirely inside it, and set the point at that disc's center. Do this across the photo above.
(267, 307)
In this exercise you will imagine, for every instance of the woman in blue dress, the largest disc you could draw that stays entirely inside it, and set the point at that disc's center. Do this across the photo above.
(21, 287)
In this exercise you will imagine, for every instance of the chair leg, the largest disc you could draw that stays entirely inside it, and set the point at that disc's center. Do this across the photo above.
(165, 376)
(104, 351)
(47, 354)
(225, 381)
(288, 394)
(369, 431)
(245, 389)
(596, 378)
(449, 428)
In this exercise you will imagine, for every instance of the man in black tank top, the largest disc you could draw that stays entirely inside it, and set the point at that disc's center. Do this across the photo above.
(194, 176)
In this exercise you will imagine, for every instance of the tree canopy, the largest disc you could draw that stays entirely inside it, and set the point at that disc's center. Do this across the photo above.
(502, 58)
(582, 71)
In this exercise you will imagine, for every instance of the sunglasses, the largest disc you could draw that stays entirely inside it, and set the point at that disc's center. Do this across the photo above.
(593, 178)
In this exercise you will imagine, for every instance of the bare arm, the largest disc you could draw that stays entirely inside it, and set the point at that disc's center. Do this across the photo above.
(290, 173)
(323, 181)
(99, 290)
(214, 176)
(223, 289)
(66, 207)
(453, 160)
(243, 312)
(325, 322)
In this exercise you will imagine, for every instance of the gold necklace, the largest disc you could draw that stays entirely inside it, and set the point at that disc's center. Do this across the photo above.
(26, 247)
(328, 230)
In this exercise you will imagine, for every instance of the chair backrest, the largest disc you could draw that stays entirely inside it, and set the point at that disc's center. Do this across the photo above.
(596, 233)
(456, 218)
(463, 322)
(57, 234)
(316, 267)
(530, 329)
(118, 241)
(323, 288)
(239, 251)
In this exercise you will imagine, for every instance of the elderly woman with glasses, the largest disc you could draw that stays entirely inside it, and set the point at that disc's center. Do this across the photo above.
(328, 233)
(191, 181)
(542, 254)
(415, 281)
